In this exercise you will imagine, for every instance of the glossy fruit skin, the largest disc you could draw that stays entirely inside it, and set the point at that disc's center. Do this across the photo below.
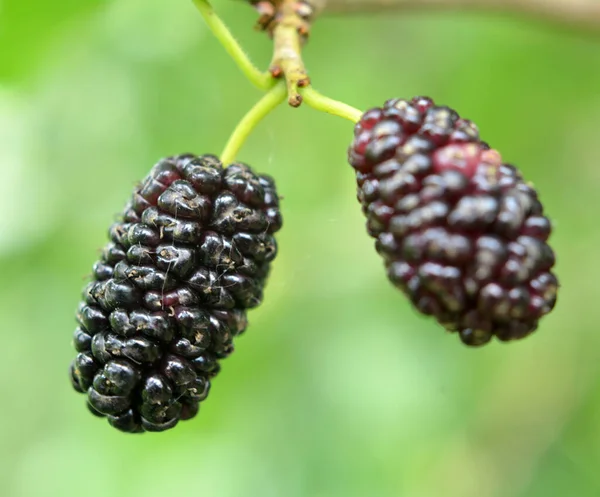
(190, 254)
(461, 233)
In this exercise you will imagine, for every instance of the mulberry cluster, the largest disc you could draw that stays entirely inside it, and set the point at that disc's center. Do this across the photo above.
(170, 292)
(461, 233)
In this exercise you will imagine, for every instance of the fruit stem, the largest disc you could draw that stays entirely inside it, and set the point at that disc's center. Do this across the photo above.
(263, 81)
(325, 104)
(257, 113)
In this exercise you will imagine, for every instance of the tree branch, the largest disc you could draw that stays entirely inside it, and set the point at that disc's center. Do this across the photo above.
(289, 28)
(580, 13)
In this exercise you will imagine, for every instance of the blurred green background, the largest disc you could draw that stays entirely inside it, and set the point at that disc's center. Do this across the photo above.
(338, 388)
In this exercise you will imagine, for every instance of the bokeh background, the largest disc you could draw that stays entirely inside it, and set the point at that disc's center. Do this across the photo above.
(338, 388)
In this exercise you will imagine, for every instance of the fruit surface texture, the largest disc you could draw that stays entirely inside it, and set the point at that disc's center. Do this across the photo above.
(189, 255)
(461, 233)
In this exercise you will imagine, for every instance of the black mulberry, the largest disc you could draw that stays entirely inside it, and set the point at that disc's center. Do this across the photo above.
(462, 234)
(190, 254)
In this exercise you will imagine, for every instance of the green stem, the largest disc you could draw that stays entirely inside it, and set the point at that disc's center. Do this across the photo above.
(261, 80)
(264, 106)
(325, 104)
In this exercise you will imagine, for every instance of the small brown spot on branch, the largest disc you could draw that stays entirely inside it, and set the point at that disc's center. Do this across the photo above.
(295, 100)
(276, 71)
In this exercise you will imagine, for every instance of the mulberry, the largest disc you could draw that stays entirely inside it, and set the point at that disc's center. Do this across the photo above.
(461, 233)
(190, 254)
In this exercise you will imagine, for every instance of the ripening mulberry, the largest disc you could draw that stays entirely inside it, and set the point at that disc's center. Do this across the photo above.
(462, 234)
(190, 254)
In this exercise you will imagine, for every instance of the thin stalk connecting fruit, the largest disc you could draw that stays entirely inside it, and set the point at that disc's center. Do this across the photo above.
(325, 104)
(263, 81)
(257, 113)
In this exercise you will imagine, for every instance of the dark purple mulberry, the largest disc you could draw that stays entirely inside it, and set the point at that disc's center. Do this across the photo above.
(461, 233)
(170, 292)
